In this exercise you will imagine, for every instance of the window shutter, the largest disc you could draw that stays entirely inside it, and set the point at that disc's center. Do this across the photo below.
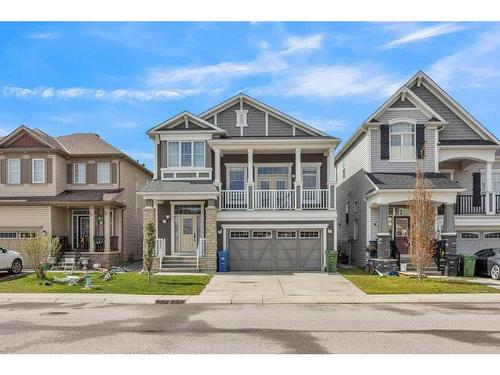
(48, 170)
(114, 173)
(420, 141)
(91, 173)
(69, 173)
(3, 171)
(384, 141)
(25, 171)
(476, 189)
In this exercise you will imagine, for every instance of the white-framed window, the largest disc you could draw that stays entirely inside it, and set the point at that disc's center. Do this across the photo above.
(103, 173)
(355, 207)
(27, 234)
(38, 171)
(343, 169)
(310, 177)
(347, 212)
(236, 177)
(14, 171)
(186, 154)
(491, 235)
(469, 236)
(237, 234)
(79, 173)
(495, 180)
(8, 235)
(309, 234)
(262, 234)
(355, 230)
(402, 141)
(241, 117)
(286, 234)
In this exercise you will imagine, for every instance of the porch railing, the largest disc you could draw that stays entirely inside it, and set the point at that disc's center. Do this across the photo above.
(470, 204)
(274, 199)
(233, 199)
(160, 249)
(200, 251)
(315, 199)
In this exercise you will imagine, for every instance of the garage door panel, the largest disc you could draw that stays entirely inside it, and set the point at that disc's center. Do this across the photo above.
(262, 254)
(310, 254)
(240, 257)
(287, 254)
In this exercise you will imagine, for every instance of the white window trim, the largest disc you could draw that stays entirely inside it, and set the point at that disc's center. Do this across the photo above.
(201, 231)
(470, 239)
(483, 179)
(310, 230)
(8, 172)
(239, 231)
(235, 165)
(190, 167)
(99, 174)
(33, 171)
(84, 174)
(257, 176)
(399, 121)
(269, 234)
(243, 112)
(286, 238)
(484, 235)
(318, 173)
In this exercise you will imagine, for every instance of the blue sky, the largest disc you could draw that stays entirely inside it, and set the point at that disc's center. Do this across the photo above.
(120, 79)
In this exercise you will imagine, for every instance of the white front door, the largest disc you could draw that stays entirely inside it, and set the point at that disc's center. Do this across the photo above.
(188, 233)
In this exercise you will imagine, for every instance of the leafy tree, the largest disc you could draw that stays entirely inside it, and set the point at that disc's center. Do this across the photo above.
(38, 248)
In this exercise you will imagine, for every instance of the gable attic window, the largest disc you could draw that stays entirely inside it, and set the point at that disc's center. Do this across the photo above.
(241, 117)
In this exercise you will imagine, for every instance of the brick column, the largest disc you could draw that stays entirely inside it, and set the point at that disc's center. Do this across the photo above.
(208, 263)
(383, 235)
(149, 213)
(449, 234)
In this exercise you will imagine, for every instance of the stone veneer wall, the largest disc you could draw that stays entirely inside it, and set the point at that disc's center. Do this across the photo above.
(208, 263)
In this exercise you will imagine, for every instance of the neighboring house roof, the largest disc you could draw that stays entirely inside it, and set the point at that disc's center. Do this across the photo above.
(179, 187)
(385, 181)
(185, 115)
(36, 134)
(465, 142)
(86, 144)
(69, 196)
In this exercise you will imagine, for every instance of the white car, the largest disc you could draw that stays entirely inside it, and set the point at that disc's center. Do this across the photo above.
(10, 261)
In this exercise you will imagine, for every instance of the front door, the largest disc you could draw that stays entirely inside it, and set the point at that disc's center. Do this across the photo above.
(188, 232)
(83, 233)
(401, 233)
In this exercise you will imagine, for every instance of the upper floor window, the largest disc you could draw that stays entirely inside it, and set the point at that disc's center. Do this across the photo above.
(343, 168)
(14, 171)
(236, 178)
(38, 171)
(79, 173)
(103, 173)
(402, 140)
(186, 154)
(241, 117)
(310, 177)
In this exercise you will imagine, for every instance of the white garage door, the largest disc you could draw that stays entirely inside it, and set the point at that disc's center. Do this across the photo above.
(274, 250)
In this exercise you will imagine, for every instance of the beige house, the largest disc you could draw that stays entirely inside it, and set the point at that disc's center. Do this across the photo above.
(77, 187)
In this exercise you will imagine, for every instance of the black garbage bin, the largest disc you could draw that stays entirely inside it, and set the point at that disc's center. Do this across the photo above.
(222, 261)
(452, 266)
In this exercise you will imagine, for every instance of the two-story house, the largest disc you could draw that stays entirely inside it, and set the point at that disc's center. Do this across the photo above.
(376, 174)
(243, 177)
(77, 187)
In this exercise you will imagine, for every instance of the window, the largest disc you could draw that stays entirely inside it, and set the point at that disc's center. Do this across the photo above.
(8, 235)
(14, 171)
(103, 173)
(186, 154)
(469, 236)
(492, 235)
(286, 234)
(237, 178)
(310, 177)
(38, 171)
(347, 213)
(309, 234)
(241, 117)
(239, 234)
(27, 235)
(79, 173)
(343, 168)
(495, 181)
(355, 230)
(272, 171)
(262, 234)
(187, 209)
(402, 140)
(355, 206)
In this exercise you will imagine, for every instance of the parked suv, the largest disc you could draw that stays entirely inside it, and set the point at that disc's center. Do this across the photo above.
(488, 263)
(10, 261)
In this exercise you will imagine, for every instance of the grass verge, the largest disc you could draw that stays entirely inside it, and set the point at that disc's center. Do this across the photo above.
(374, 284)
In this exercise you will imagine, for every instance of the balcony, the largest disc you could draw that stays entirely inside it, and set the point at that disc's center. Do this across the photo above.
(274, 200)
(469, 204)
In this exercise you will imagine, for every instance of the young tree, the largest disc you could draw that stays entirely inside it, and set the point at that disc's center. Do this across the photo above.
(422, 223)
(149, 251)
(38, 248)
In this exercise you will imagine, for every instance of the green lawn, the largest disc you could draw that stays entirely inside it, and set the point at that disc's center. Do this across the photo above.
(122, 283)
(374, 284)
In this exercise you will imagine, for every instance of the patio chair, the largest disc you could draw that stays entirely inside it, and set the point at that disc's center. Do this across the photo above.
(68, 264)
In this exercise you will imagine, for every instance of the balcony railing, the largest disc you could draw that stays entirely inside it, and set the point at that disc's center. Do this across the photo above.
(316, 199)
(497, 204)
(274, 199)
(233, 199)
(470, 204)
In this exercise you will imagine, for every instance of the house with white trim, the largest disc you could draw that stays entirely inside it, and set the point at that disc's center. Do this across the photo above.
(246, 178)
(376, 173)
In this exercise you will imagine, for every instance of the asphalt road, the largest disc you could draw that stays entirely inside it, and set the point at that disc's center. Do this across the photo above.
(106, 328)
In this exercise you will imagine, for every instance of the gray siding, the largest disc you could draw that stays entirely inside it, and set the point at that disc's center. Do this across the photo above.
(301, 133)
(226, 120)
(400, 104)
(256, 120)
(456, 128)
(353, 189)
(278, 128)
(409, 113)
(191, 126)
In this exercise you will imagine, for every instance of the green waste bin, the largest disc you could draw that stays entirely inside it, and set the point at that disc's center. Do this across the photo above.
(331, 260)
(469, 265)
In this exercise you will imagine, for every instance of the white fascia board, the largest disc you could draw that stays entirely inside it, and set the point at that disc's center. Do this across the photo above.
(275, 144)
(190, 135)
(173, 121)
(178, 196)
(286, 215)
(396, 196)
(274, 226)
(478, 153)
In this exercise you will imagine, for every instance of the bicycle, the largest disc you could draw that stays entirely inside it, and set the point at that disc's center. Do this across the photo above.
(370, 267)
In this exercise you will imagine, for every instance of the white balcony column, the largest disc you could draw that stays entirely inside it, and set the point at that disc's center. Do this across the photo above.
(250, 181)
(489, 199)
(298, 179)
(330, 163)
(107, 234)
(217, 182)
(91, 228)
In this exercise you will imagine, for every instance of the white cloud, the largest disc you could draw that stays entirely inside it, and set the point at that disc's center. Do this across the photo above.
(43, 35)
(97, 94)
(332, 81)
(68, 118)
(425, 33)
(3, 132)
(266, 62)
(126, 125)
(473, 66)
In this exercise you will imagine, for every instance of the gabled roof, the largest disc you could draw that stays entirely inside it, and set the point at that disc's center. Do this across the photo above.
(264, 107)
(185, 115)
(452, 104)
(87, 144)
(36, 134)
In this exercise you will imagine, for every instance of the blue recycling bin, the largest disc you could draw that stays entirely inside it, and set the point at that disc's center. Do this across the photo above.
(222, 261)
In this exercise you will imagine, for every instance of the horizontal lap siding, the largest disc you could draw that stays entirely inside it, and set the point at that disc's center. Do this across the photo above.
(355, 159)
(226, 120)
(278, 128)
(414, 114)
(256, 120)
(59, 224)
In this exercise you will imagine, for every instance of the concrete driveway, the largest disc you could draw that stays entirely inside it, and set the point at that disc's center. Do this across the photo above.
(289, 287)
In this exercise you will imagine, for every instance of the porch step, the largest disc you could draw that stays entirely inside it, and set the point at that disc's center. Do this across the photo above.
(187, 270)
(179, 263)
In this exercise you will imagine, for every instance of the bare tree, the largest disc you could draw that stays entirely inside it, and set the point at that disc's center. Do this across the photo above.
(38, 248)
(149, 251)
(422, 223)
